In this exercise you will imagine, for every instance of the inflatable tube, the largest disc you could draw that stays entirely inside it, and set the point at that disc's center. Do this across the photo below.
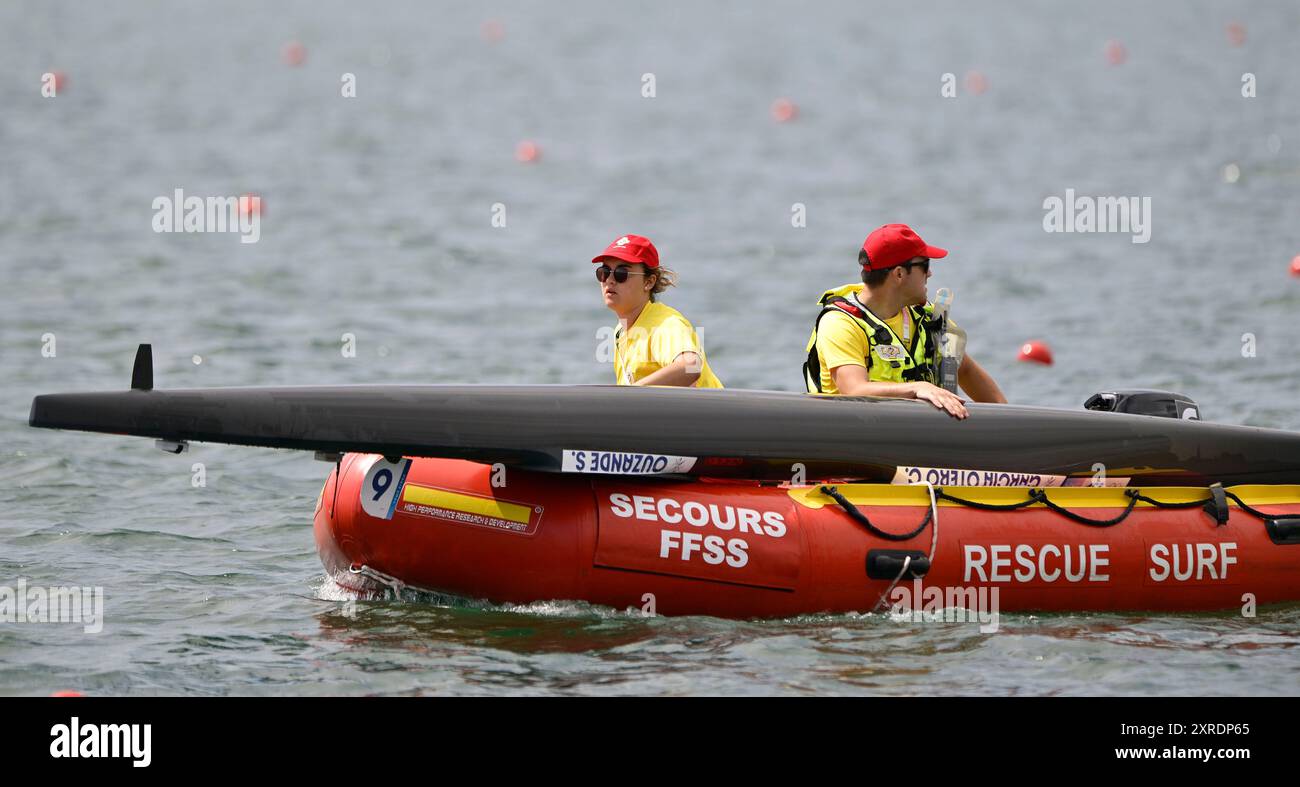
(747, 550)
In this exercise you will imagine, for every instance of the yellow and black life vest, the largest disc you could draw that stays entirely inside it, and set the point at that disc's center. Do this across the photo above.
(894, 361)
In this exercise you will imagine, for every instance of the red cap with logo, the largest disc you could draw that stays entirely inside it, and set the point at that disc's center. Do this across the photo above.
(631, 248)
(895, 244)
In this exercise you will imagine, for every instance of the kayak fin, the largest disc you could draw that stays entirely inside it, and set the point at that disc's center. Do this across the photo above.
(142, 374)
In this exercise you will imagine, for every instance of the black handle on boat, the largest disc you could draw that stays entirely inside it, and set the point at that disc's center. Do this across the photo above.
(888, 564)
(1283, 531)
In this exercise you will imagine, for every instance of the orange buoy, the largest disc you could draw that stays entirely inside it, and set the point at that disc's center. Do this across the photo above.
(527, 152)
(1295, 266)
(493, 31)
(1036, 351)
(784, 110)
(1116, 54)
(976, 82)
(250, 205)
(1236, 33)
(293, 53)
(67, 693)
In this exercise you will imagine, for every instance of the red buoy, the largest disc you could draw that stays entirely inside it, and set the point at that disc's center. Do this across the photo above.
(1236, 33)
(527, 152)
(60, 81)
(1036, 351)
(493, 31)
(67, 693)
(976, 82)
(1295, 266)
(1116, 54)
(293, 53)
(784, 110)
(250, 205)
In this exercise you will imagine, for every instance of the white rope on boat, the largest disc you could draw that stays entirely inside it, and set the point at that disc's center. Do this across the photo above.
(392, 582)
(934, 521)
(907, 563)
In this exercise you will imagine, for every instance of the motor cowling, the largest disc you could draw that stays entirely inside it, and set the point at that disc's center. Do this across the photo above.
(1164, 404)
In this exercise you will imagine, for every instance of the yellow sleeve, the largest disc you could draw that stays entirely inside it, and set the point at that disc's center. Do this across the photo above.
(671, 338)
(840, 342)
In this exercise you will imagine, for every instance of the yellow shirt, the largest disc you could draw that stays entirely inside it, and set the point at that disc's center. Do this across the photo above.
(654, 341)
(841, 342)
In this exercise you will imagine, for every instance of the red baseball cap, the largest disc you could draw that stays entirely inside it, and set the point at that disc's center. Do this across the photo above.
(631, 248)
(895, 244)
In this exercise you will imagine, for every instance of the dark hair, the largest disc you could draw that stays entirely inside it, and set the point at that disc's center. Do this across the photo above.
(869, 277)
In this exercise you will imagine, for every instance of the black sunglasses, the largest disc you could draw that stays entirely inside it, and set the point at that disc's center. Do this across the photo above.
(923, 265)
(620, 274)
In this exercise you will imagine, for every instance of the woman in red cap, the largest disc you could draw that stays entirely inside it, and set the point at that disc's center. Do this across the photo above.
(878, 338)
(654, 343)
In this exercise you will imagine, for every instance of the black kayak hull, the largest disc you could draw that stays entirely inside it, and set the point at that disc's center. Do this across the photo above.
(728, 433)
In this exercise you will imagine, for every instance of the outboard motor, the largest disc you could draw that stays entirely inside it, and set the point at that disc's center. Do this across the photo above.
(1165, 404)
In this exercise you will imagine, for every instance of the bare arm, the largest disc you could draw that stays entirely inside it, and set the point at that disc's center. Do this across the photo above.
(977, 383)
(684, 371)
(852, 381)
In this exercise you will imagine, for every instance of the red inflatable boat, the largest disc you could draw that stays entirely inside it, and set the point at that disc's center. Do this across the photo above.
(524, 493)
(750, 549)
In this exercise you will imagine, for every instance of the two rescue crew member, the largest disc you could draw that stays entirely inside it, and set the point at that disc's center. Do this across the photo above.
(877, 338)
(654, 343)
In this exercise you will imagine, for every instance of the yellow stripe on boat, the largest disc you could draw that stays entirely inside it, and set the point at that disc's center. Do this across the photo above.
(1266, 494)
(455, 501)
(1068, 496)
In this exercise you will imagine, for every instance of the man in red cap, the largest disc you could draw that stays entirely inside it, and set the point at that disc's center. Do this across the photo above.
(654, 343)
(879, 338)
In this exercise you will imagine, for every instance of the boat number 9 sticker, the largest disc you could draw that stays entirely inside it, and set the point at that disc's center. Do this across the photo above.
(382, 487)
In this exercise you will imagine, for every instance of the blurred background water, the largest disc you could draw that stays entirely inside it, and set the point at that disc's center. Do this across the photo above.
(378, 223)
